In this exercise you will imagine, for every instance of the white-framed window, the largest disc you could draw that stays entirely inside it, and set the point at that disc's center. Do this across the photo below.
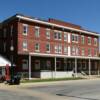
(48, 47)
(83, 39)
(65, 50)
(37, 47)
(58, 48)
(4, 32)
(89, 40)
(25, 29)
(75, 37)
(73, 50)
(48, 33)
(11, 30)
(95, 52)
(89, 52)
(83, 52)
(57, 35)
(65, 36)
(25, 45)
(95, 41)
(77, 50)
(37, 31)
(37, 65)
(24, 64)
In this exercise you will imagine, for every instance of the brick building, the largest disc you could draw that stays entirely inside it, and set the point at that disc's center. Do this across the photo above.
(49, 48)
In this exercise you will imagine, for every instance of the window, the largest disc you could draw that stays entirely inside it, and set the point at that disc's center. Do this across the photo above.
(89, 40)
(37, 65)
(37, 47)
(95, 52)
(58, 64)
(65, 36)
(58, 48)
(25, 64)
(37, 31)
(5, 32)
(77, 51)
(48, 64)
(73, 50)
(48, 33)
(89, 52)
(25, 29)
(57, 35)
(48, 47)
(95, 41)
(65, 50)
(11, 30)
(83, 52)
(82, 39)
(75, 37)
(24, 45)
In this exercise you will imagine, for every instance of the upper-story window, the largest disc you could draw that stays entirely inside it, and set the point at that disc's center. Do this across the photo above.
(65, 36)
(75, 37)
(83, 52)
(95, 41)
(58, 48)
(95, 52)
(5, 32)
(65, 49)
(57, 35)
(89, 52)
(48, 47)
(25, 45)
(89, 40)
(37, 47)
(75, 50)
(25, 29)
(82, 39)
(48, 33)
(37, 31)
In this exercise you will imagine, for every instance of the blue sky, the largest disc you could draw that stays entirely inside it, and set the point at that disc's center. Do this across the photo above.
(82, 12)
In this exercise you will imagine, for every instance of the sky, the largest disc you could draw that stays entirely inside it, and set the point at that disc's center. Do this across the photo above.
(85, 13)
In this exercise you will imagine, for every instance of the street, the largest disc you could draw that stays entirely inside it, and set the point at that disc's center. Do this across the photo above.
(67, 90)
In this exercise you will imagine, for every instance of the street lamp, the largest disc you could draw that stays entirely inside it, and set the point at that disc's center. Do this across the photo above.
(12, 67)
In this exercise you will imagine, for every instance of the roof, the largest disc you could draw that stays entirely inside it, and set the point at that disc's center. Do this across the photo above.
(74, 27)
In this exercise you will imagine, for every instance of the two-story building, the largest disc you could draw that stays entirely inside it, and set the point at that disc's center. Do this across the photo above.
(49, 48)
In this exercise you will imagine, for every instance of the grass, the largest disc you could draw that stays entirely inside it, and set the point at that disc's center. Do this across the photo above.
(49, 80)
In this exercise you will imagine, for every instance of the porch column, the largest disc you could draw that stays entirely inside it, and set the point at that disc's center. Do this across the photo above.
(55, 68)
(29, 67)
(89, 67)
(98, 68)
(75, 67)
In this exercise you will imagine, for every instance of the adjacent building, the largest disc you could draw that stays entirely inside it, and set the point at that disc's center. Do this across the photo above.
(49, 48)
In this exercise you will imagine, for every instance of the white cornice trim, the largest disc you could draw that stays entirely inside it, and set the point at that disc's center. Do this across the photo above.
(62, 56)
(51, 24)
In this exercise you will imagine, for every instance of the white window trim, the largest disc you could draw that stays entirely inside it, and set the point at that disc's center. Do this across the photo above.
(38, 47)
(81, 39)
(75, 35)
(49, 48)
(36, 27)
(65, 33)
(25, 49)
(91, 40)
(46, 33)
(25, 34)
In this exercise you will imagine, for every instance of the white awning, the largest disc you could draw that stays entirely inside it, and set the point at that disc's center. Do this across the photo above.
(4, 62)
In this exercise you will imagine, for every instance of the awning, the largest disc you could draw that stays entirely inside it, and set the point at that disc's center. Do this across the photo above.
(4, 62)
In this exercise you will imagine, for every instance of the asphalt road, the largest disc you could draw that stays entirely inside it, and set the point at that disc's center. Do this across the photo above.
(69, 90)
(74, 90)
